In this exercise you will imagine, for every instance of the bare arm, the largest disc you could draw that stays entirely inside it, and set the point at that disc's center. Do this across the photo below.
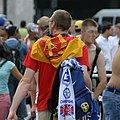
(34, 88)
(16, 73)
(87, 78)
(33, 98)
(101, 75)
(33, 91)
(21, 92)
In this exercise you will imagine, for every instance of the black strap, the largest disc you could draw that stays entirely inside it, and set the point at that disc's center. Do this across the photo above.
(5, 46)
(53, 102)
(95, 60)
(64, 34)
(18, 45)
(3, 63)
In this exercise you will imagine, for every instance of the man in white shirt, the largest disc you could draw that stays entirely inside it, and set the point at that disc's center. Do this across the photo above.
(105, 44)
(115, 39)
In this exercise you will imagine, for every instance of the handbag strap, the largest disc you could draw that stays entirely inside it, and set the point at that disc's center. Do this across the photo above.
(3, 63)
(95, 60)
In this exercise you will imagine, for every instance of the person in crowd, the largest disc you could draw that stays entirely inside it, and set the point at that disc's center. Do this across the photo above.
(72, 28)
(13, 42)
(29, 39)
(3, 34)
(44, 58)
(89, 31)
(32, 35)
(78, 25)
(6, 68)
(22, 30)
(2, 21)
(115, 39)
(111, 95)
(105, 44)
(43, 25)
(8, 22)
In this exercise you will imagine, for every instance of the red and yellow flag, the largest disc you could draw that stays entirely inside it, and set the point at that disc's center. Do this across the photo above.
(56, 49)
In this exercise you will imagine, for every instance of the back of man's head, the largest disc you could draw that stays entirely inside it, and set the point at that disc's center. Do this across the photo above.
(88, 23)
(62, 19)
(23, 23)
(105, 26)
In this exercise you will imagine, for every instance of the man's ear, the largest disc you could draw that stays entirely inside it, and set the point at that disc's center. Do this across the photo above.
(53, 24)
(82, 31)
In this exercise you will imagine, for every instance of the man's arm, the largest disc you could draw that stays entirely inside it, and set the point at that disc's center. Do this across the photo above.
(33, 90)
(101, 75)
(33, 99)
(21, 92)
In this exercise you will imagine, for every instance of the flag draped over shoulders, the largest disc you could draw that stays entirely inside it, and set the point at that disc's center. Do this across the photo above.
(56, 49)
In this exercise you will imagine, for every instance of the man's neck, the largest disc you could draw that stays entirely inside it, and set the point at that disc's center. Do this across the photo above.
(12, 37)
(88, 44)
(91, 47)
(60, 32)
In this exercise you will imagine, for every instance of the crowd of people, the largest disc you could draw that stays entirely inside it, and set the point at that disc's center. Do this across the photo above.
(41, 48)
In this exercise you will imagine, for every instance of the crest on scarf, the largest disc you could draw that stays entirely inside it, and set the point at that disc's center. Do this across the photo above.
(66, 110)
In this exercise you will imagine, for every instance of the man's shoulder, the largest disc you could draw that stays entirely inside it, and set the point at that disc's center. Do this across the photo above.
(99, 38)
(12, 42)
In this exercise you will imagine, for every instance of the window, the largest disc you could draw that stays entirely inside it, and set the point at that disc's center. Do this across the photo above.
(117, 20)
(96, 19)
(108, 19)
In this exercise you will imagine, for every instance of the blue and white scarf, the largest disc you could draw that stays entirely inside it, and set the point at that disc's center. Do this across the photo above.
(66, 105)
